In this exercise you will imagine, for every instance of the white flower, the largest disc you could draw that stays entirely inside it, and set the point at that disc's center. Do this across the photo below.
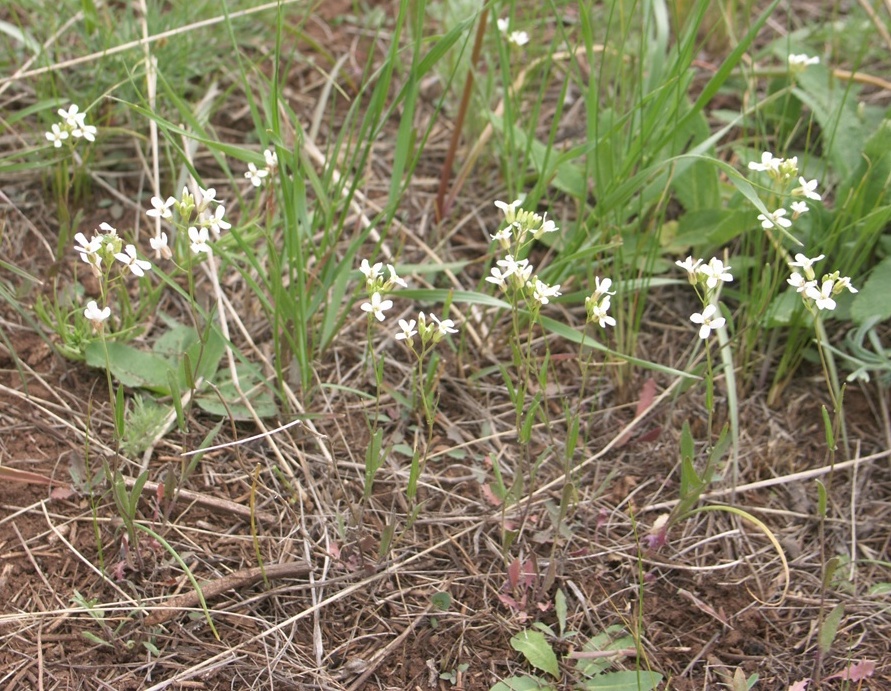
(768, 163)
(371, 271)
(597, 311)
(96, 315)
(803, 262)
(56, 136)
(408, 330)
(446, 326)
(707, 320)
(802, 60)
(89, 251)
(159, 245)
(808, 189)
(715, 271)
(128, 258)
(497, 277)
(207, 196)
(377, 306)
(518, 38)
(271, 158)
(548, 226)
(502, 236)
(503, 24)
(797, 281)
(602, 287)
(842, 283)
(88, 132)
(161, 209)
(91, 246)
(542, 292)
(72, 117)
(394, 278)
(199, 238)
(215, 221)
(690, 265)
(509, 210)
(254, 175)
(799, 208)
(822, 297)
(776, 219)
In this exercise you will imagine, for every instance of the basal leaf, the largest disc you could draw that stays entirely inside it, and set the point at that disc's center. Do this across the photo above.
(537, 651)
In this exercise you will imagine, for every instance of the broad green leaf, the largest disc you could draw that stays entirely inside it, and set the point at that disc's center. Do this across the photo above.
(711, 226)
(624, 681)
(523, 684)
(131, 367)
(537, 651)
(874, 298)
(253, 385)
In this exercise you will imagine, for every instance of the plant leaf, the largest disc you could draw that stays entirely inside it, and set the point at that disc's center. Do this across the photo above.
(642, 680)
(537, 651)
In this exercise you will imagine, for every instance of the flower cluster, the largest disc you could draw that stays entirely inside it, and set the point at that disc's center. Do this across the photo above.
(820, 294)
(377, 283)
(100, 252)
(73, 126)
(431, 332)
(201, 217)
(258, 175)
(515, 275)
(784, 171)
(597, 304)
(707, 280)
(518, 38)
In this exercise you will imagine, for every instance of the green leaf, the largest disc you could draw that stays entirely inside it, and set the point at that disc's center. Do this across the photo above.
(830, 627)
(131, 367)
(560, 608)
(523, 684)
(537, 651)
(441, 601)
(874, 298)
(643, 680)
(226, 400)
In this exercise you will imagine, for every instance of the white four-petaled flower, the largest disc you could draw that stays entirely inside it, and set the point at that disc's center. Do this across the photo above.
(129, 259)
(256, 175)
(199, 238)
(776, 219)
(808, 188)
(823, 296)
(159, 245)
(407, 330)
(707, 320)
(57, 135)
(715, 271)
(161, 209)
(96, 315)
(377, 306)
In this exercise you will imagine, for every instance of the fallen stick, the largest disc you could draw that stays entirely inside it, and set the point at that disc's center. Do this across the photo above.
(213, 503)
(234, 581)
